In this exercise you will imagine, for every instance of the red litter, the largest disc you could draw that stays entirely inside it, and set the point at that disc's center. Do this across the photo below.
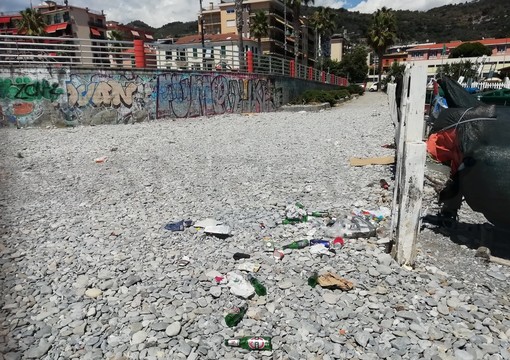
(338, 242)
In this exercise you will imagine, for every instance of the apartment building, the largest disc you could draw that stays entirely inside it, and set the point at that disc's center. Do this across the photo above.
(220, 18)
(220, 52)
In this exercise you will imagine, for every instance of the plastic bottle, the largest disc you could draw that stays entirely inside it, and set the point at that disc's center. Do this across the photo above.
(313, 279)
(251, 343)
(297, 244)
(235, 318)
(260, 289)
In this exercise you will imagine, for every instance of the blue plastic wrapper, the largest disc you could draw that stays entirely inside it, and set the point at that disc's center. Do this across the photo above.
(175, 226)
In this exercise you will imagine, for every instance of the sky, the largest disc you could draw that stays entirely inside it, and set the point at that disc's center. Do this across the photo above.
(157, 13)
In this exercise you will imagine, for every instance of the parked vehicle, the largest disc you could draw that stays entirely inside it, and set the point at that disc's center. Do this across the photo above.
(373, 87)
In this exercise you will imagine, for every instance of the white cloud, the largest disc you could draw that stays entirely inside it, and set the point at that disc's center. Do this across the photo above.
(370, 6)
(157, 13)
(335, 4)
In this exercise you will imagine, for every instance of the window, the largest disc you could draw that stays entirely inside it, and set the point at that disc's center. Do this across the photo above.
(223, 50)
(230, 10)
(182, 55)
(57, 18)
(195, 53)
(231, 23)
(168, 55)
(501, 48)
(66, 16)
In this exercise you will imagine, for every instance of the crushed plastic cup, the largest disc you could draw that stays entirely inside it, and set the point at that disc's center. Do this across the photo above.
(278, 255)
(319, 249)
(249, 267)
(239, 286)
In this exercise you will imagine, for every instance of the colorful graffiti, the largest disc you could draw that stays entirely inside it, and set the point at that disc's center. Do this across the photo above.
(26, 100)
(189, 95)
(26, 89)
(110, 98)
(67, 98)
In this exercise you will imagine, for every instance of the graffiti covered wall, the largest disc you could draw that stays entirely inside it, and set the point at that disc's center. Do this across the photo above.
(70, 97)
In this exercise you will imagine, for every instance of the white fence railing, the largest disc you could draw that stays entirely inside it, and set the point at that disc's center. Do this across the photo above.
(20, 51)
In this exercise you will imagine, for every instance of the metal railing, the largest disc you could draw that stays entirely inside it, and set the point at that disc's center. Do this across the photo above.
(28, 51)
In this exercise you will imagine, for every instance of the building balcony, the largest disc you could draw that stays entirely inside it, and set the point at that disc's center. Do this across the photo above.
(97, 24)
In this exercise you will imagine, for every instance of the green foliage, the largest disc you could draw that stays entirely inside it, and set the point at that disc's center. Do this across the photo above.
(329, 96)
(176, 29)
(354, 64)
(458, 69)
(382, 34)
(31, 23)
(470, 20)
(323, 21)
(396, 70)
(259, 28)
(470, 49)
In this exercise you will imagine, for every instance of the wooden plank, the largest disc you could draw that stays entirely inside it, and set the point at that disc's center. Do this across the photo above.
(384, 160)
(411, 193)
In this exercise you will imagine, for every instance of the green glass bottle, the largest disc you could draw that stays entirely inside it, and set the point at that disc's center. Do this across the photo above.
(297, 244)
(235, 318)
(260, 289)
(313, 279)
(251, 343)
(318, 213)
(288, 221)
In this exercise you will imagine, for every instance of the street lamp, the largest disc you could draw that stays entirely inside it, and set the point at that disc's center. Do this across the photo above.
(285, 28)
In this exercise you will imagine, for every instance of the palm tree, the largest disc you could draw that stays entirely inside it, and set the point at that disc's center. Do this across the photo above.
(323, 21)
(31, 23)
(381, 34)
(259, 28)
(238, 5)
(295, 5)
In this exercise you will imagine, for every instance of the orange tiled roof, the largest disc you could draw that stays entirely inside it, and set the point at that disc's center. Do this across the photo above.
(454, 44)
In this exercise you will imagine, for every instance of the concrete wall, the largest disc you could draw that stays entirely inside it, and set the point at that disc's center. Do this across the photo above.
(70, 97)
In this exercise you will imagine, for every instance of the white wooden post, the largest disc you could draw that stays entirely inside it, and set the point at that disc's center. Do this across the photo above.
(410, 170)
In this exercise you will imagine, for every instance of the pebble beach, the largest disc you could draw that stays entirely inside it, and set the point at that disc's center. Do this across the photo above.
(88, 270)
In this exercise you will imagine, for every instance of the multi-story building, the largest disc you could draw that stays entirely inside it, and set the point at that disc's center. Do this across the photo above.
(128, 33)
(67, 22)
(437, 54)
(220, 52)
(221, 19)
(8, 23)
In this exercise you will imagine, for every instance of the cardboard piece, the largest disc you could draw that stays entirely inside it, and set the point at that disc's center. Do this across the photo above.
(384, 160)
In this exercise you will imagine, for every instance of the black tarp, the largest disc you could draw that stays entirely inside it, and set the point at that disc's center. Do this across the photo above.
(483, 133)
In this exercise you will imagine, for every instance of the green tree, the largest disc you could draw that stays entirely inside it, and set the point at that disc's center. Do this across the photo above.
(259, 28)
(395, 71)
(354, 64)
(295, 5)
(382, 34)
(31, 23)
(238, 6)
(458, 69)
(470, 49)
(323, 22)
